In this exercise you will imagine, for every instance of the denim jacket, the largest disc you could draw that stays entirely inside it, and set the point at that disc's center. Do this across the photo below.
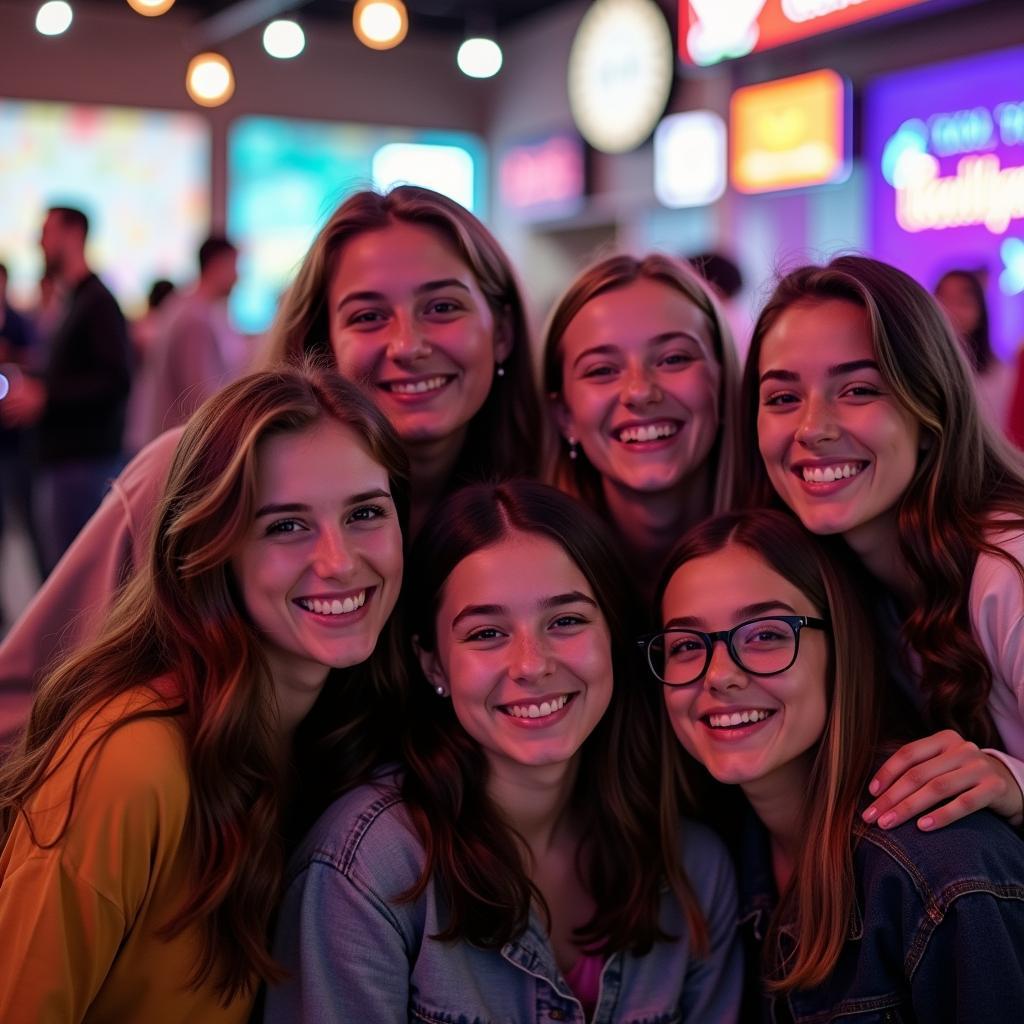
(356, 955)
(936, 935)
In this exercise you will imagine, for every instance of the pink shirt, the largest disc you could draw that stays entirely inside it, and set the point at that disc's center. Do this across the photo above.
(584, 978)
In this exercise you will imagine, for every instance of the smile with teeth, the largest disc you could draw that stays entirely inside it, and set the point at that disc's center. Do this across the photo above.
(542, 710)
(648, 432)
(817, 475)
(416, 387)
(333, 607)
(731, 721)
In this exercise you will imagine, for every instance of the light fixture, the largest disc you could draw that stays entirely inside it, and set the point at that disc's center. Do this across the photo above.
(53, 18)
(151, 8)
(209, 79)
(284, 39)
(479, 57)
(380, 24)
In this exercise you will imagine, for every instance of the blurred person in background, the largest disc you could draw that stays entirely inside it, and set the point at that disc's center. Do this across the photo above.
(77, 401)
(195, 350)
(17, 343)
(143, 334)
(726, 280)
(962, 298)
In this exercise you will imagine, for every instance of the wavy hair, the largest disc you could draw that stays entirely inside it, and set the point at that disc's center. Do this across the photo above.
(817, 903)
(468, 846)
(968, 484)
(181, 617)
(502, 438)
(578, 476)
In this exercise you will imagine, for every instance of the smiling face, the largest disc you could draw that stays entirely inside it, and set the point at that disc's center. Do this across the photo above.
(320, 568)
(524, 651)
(838, 446)
(786, 712)
(408, 316)
(640, 386)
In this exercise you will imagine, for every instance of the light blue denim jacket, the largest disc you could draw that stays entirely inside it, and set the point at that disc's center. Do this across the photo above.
(356, 955)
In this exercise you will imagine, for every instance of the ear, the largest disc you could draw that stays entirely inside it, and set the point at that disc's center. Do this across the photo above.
(563, 417)
(431, 665)
(503, 340)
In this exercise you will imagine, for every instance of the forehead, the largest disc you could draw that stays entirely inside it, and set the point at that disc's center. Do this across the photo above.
(328, 460)
(815, 335)
(712, 587)
(516, 571)
(635, 313)
(399, 249)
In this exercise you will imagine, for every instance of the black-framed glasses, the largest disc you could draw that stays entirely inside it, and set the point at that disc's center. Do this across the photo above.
(763, 647)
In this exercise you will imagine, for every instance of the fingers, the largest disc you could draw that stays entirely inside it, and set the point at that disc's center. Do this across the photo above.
(930, 784)
(912, 754)
(967, 803)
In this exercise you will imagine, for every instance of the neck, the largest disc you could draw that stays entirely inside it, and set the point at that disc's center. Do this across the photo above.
(431, 466)
(206, 290)
(877, 545)
(74, 269)
(778, 801)
(295, 692)
(651, 522)
(533, 799)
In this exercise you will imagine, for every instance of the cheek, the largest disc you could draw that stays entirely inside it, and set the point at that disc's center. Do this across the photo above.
(677, 707)
(353, 357)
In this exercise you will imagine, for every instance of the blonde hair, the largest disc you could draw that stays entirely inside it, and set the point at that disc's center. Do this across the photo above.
(578, 476)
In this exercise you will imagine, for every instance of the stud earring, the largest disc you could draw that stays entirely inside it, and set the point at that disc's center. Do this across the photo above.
(573, 450)
(440, 691)
(500, 371)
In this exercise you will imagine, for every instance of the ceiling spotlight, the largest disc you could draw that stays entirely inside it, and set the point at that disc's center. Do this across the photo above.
(151, 8)
(479, 58)
(209, 79)
(380, 24)
(53, 18)
(284, 39)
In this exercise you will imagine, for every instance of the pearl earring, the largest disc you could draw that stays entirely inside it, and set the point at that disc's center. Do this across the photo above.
(573, 451)
(500, 371)
(440, 691)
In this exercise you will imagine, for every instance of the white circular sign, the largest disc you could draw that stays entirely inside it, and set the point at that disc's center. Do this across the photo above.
(621, 69)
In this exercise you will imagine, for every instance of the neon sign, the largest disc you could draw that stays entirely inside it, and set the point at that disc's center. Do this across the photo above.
(689, 159)
(714, 30)
(543, 178)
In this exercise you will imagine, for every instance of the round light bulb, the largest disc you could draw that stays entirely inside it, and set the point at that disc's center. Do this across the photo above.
(284, 39)
(479, 58)
(380, 24)
(151, 8)
(53, 18)
(209, 79)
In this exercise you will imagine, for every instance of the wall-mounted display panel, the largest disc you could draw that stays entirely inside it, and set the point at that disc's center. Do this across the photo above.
(543, 178)
(790, 133)
(285, 178)
(141, 176)
(690, 159)
(714, 30)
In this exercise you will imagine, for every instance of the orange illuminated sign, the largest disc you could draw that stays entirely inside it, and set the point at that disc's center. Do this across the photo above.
(714, 30)
(789, 133)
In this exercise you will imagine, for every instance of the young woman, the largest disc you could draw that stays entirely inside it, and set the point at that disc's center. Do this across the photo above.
(513, 871)
(407, 291)
(770, 682)
(962, 298)
(861, 406)
(142, 818)
(642, 380)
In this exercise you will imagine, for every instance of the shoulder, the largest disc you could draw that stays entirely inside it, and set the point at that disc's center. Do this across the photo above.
(997, 586)
(366, 835)
(978, 853)
(144, 478)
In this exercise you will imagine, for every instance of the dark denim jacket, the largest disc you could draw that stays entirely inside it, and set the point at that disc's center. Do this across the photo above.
(937, 933)
(356, 955)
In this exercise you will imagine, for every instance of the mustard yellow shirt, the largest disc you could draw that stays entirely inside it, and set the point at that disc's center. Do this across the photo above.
(79, 920)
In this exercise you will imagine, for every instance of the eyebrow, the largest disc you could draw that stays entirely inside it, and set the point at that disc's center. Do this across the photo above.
(658, 339)
(423, 289)
(748, 611)
(556, 601)
(355, 499)
(833, 371)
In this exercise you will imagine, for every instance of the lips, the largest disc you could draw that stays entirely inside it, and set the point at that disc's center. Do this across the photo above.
(335, 605)
(415, 387)
(641, 433)
(537, 709)
(736, 719)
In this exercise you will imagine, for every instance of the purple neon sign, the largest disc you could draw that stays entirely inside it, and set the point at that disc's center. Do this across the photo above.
(945, 152)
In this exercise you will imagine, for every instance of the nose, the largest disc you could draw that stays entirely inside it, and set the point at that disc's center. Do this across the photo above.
(723, 673)
(639, 386)
(530, 659)
(332, 558)
(406, 340)
(817, 422)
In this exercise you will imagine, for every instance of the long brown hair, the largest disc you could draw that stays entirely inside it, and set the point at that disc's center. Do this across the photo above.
(578, 476)
(968, 482)
(502, 438)
(468, 845)
(181, 617)
(817, 903)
